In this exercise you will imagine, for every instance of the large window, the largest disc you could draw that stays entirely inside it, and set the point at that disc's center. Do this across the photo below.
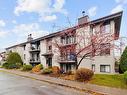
(68, 39)
(105, 68)
(106, 27)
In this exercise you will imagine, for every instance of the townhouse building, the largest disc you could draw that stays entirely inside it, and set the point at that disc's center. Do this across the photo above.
(46, 50)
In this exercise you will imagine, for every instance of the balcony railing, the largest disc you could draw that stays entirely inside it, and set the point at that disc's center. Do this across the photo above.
(68, 59)
(33, 60)
(68, 44)
(34, 49)
(48, 53)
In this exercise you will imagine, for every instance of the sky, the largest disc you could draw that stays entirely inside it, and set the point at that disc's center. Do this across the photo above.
(18, 18)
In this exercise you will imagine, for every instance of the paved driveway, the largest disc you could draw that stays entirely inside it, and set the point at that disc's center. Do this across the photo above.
(16, 85)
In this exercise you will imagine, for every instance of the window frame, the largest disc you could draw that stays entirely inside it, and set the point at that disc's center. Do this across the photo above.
(24, 47)
(105, 68)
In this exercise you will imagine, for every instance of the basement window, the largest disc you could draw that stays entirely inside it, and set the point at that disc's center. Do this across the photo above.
(105, 68)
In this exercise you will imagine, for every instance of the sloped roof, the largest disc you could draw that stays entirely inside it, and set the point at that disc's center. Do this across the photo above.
(109, 17)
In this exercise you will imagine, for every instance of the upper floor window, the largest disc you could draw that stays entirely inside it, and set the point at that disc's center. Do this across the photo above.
(105, 49)
(68, 39)
(106, 27)
(49, 45)
(24, 47)
(93, 30)
(50, 48)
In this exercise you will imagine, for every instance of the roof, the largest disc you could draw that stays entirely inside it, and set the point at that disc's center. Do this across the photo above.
(109, 17)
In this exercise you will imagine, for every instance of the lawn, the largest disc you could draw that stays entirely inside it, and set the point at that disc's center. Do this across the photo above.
(116, 80)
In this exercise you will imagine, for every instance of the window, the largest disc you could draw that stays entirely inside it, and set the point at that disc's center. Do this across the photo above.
(106, 27)
(49, 62)
(24, 56)
(50, 48)
(73, 39)
(93, 31)
(105, 49)
(24, 47)
(49, 45)
(105, 68)
(68, 39)
(62, 39)
(93, 67)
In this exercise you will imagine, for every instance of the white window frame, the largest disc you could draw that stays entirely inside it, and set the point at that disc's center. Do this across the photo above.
(105, 69)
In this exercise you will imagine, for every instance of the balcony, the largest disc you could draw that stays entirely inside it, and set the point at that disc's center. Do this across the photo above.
(67, 45)
(48, 53)
(33, 60)
(69, 59)
(34, 49)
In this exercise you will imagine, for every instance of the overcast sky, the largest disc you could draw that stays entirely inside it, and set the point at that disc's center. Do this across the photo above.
(18, 18)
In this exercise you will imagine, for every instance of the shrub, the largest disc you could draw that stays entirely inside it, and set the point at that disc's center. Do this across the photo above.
(13, 61)
(123, 61)
(8, 66)
(11, 66)
(55, 70)
(27, 67)
(69, 72)
(40, 66)
(83, 74)
(125, 76)
(5, 65)
(18, 65)
(14, 58)
(47, 71)
(37, 68)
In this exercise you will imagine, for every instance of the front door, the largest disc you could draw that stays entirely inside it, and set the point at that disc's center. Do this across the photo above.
(49, 62)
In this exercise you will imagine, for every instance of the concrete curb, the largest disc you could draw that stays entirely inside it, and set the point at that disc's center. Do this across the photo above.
(59, 84)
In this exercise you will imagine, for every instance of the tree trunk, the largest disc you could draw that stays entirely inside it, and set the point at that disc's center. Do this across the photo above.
(78, 63)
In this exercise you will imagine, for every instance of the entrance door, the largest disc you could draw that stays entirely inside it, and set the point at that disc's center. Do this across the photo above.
(49, 62)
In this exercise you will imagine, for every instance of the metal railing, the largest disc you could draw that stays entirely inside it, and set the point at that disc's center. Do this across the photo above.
(35, 48)
(66, 59)
(34, 60)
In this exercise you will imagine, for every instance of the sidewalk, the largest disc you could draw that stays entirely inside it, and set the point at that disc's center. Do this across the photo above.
(72, 84)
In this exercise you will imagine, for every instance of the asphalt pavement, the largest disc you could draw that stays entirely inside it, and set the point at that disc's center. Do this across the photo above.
(11, 84)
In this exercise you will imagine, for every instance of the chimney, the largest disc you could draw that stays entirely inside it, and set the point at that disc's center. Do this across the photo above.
(29, 37)
(83, 19)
